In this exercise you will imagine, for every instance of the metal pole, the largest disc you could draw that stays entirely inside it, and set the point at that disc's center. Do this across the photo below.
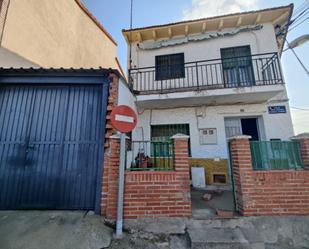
(121, 185)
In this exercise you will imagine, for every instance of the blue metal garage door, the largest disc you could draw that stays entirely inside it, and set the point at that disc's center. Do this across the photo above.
(51, 145)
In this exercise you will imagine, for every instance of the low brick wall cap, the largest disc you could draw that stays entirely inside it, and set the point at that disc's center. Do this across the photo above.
(179, 135)
(239, 137)
(300, 136)
(117, 136)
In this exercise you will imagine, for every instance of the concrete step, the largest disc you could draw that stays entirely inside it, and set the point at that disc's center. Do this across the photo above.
(225, 238)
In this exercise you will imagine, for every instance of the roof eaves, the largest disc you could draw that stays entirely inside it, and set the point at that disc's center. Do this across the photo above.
(40, 70)
(207, 18)
(287, 27)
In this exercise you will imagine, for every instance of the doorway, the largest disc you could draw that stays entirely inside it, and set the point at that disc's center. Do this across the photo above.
(251, 126)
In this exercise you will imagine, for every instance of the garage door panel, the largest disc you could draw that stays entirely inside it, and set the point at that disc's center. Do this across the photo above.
(15, 110)
(57, 146)
(40, 177)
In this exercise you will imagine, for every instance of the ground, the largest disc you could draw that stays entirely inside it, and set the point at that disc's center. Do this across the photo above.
(201, 209)
(84, 230)
(53, 229)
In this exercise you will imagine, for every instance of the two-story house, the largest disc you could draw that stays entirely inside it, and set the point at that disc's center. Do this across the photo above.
(211, 79)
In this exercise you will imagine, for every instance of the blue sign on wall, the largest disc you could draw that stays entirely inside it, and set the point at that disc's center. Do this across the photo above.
(276, 109)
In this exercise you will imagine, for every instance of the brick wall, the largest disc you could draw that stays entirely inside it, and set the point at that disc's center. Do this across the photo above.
(304, 146)
(151, 193)
(111, 150)
(274, 192)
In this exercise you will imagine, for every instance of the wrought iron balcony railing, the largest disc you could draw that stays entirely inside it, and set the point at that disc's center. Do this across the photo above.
(234, 72)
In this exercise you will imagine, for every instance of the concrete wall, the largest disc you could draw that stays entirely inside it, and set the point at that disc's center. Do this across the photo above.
(56, 34)
(273, 125)
(125, 96)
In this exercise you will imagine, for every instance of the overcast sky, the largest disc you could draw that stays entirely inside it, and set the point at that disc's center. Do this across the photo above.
(115, 16)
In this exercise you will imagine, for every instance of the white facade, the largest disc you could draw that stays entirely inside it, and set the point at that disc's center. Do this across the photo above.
(272, 126)
(260, 41)
(209, 109)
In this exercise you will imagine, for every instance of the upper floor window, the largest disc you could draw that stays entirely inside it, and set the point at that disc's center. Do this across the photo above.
(237, 66)
(170, 66)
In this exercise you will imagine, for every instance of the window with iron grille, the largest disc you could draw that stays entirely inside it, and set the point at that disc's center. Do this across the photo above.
(170, 66)
(163, 133)
(237, 66)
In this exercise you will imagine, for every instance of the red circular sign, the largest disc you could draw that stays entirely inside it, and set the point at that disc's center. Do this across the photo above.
(123, 118)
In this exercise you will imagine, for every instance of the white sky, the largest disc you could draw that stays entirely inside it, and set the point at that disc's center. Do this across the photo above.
(206, 8)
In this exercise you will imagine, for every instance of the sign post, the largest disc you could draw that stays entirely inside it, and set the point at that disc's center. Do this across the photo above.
(123, 119)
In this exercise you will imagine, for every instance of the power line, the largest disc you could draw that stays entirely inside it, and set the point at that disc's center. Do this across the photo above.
(302, 13)
(130, 42)
(299, 60)
(293, 27)
(300, 7)
(300, 109)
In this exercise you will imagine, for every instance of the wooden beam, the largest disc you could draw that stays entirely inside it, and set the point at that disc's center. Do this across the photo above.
(170, 33)
(126, 36)
(258, 18)
(279, 18)
(139, 37)
(186, 30)
(154, 35)
(239, 21)
(204, 26)
(221, 23)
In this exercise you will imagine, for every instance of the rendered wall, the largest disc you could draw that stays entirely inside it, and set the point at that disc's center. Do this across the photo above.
(9, 59)
(56, 34)
(274, 125)
(260, 41)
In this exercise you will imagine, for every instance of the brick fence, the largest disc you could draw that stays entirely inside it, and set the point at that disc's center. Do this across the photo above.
(149, 194)
(271, 192)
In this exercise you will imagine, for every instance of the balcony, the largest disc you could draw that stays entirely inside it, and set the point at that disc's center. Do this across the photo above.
(217, 81)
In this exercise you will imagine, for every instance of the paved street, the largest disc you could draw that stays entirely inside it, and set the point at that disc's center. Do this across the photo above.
(52, 229)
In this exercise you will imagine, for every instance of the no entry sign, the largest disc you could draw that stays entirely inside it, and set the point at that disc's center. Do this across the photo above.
(123, 118)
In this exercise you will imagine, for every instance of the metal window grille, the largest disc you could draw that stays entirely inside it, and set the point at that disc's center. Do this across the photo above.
(170, 66)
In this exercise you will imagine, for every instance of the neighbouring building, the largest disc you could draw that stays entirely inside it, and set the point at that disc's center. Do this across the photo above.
(210, 79)
(53, 34)
(57, 90)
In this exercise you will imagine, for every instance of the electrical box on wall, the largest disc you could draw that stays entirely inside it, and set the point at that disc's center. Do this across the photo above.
(200, 111)
(208, 136)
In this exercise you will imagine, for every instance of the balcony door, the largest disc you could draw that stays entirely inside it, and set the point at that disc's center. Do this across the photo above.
(237, 66)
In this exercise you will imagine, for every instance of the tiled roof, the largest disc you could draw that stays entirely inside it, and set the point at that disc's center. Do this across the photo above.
(55, 71)
(208, 18)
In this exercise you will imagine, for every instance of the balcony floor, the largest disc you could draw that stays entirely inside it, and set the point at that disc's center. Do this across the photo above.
(232, 96)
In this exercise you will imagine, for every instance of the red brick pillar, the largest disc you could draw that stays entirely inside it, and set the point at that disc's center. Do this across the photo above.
(303, 140)
(241, 170)
(182, 169)
(110, 178)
